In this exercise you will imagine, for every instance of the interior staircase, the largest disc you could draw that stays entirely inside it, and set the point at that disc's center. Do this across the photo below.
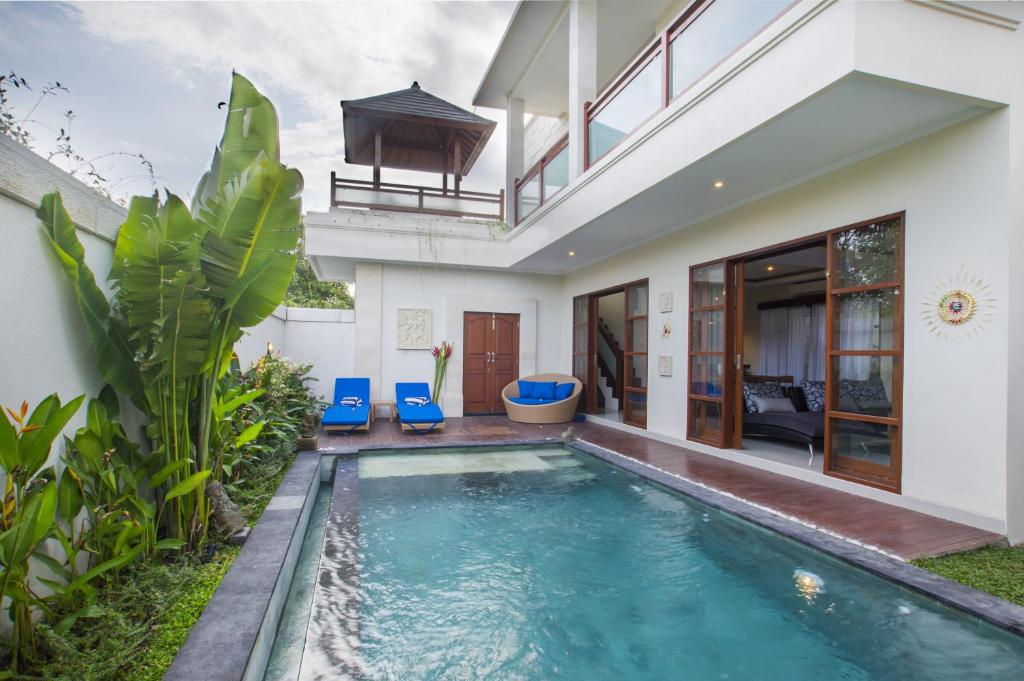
(609, 364)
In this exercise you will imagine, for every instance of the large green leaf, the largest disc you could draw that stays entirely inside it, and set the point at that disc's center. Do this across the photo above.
(250, 130)
(248, 252)
(187, 485)
(50, 418)
(116, 359)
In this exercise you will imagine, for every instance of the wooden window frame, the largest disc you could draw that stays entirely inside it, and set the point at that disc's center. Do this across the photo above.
(854, 471)
(725, 412)
(628, 354)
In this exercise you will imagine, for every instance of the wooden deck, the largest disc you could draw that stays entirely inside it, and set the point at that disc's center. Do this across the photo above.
(897, 531)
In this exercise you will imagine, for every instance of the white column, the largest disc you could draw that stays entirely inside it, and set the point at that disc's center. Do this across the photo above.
(368, 328)
(582, 76)
(515, 110)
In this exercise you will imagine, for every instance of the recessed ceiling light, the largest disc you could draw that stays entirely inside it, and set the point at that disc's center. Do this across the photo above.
(770, 268)
(572, 254)
(719, 184)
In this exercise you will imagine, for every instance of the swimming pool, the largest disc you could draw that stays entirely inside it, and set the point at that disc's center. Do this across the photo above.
(547, 563)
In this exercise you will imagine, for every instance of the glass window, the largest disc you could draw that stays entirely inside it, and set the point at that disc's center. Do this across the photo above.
(636, 371)
(707, 332)
(529, 197)
(708, 286)
(706, 375)
(714, 35)
(863, 384)
(865, 320)
(856, 443)
(867, 255)
(637, 302)
(556, 173)
(637, 101)
(707, 418)
(638, 335)
(637, 407)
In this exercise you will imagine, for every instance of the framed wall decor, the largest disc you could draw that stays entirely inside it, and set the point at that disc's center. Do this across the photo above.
(415, 329)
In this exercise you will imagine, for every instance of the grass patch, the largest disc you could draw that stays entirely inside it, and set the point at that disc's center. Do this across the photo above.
(998, 570)
(147, 617)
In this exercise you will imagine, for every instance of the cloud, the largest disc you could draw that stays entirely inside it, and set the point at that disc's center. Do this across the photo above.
(308, 56)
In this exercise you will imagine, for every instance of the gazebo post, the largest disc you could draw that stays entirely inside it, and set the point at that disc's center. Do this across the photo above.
(376, 158)
(458, 163)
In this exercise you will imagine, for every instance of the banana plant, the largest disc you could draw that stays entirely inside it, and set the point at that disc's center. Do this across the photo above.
(187, 281)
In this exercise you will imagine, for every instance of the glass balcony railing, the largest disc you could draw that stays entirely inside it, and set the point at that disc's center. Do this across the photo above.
(705, 34)
(543, 180)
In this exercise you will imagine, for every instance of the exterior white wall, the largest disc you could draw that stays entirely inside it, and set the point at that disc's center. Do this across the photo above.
(953, 187)
(323, 338)
(448, 293)
(44, 346)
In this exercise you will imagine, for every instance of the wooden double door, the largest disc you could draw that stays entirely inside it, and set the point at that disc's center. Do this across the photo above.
(490, 351)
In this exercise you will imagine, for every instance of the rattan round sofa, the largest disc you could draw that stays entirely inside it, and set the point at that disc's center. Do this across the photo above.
(561, 411)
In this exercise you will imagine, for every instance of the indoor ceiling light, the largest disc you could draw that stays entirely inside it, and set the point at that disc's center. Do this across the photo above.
(719, 184)
(770, 268)
(572, 254)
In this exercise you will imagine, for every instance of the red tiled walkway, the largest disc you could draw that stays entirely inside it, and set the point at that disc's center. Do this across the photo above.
(895, 530)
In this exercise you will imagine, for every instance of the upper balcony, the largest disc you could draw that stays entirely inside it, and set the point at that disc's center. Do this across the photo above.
(652, 116)
(413, 130)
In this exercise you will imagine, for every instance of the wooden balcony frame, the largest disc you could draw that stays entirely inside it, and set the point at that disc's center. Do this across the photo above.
(420, 192)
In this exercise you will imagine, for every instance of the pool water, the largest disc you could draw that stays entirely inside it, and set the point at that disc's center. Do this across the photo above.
(537, 564)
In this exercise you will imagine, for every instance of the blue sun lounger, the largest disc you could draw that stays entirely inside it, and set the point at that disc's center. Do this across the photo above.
(426, 418)
(345, 418)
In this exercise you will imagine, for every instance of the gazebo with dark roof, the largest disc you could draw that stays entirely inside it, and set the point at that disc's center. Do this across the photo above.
(412, 129)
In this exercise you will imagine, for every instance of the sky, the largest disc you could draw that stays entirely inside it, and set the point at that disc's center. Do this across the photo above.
(146, 78)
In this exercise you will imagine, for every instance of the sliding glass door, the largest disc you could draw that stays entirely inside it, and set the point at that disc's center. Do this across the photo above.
(635, 353)
(865, 353)
(581, 363)
(706, 418)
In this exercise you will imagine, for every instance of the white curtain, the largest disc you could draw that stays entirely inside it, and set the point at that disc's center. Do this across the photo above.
(858, 322)
(792, 342)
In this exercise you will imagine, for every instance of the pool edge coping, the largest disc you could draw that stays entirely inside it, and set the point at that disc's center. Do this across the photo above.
(207, 655)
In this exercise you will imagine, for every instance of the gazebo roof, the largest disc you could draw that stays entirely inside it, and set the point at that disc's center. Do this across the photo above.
(418, 131)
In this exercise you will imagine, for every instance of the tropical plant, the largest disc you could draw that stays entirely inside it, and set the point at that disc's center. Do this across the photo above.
(442, 353)
(268, 424)
(186, 282)
(305, 290)
(105, 474)
(29, 512)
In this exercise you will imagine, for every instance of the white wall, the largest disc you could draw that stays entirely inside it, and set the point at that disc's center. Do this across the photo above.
(540, 134)
(323, 338)
(953, 186)
(44, 347)
(448, 293)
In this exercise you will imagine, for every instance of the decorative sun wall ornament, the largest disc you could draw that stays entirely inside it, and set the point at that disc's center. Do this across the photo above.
(959, 306)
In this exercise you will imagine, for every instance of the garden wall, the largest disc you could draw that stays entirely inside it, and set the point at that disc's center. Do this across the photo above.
(44, 347)
(323, 338)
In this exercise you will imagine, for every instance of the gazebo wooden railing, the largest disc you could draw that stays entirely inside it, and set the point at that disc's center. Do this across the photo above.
(409, 198)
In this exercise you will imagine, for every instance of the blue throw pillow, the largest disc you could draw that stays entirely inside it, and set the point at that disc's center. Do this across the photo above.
(526, 388)
(544, 390)
(563, 390)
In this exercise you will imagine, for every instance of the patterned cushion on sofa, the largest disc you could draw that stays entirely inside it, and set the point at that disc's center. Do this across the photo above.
(752, 390)
(814, 392)
(870, 389)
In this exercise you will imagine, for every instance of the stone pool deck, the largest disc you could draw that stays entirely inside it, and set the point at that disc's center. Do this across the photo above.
(897, 531)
